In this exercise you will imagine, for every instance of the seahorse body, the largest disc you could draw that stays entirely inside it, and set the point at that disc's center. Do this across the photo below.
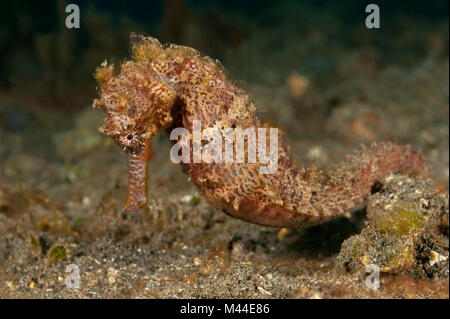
(164, 87)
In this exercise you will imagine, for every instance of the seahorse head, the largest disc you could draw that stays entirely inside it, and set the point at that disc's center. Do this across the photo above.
(136, 103)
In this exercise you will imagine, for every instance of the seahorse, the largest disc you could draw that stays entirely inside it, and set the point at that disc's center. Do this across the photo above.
(170, 86)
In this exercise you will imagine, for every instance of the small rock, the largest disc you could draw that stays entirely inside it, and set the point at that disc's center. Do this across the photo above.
(283, 233)
(241, 248)
(113, 274)
(435, 258)
(297, 85)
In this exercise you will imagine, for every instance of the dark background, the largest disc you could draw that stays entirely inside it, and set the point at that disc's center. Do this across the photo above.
(54, 65)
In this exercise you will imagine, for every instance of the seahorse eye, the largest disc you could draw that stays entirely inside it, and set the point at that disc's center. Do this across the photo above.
(130, 136)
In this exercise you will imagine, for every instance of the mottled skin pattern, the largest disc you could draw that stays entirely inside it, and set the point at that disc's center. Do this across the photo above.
(164, 87)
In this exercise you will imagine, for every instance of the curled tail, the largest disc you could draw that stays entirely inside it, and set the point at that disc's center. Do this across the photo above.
(307, 197)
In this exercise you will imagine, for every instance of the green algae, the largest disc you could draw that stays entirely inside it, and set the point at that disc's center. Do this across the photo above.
(58, 253)
(195, 199)
(402, 220)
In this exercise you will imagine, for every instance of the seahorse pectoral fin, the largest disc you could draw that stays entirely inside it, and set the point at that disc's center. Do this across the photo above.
(137, 179)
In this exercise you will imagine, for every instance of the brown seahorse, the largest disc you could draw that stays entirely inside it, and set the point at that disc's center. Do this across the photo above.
(170, 86)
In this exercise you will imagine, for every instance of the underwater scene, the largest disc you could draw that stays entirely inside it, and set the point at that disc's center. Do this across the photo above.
(224, 149)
